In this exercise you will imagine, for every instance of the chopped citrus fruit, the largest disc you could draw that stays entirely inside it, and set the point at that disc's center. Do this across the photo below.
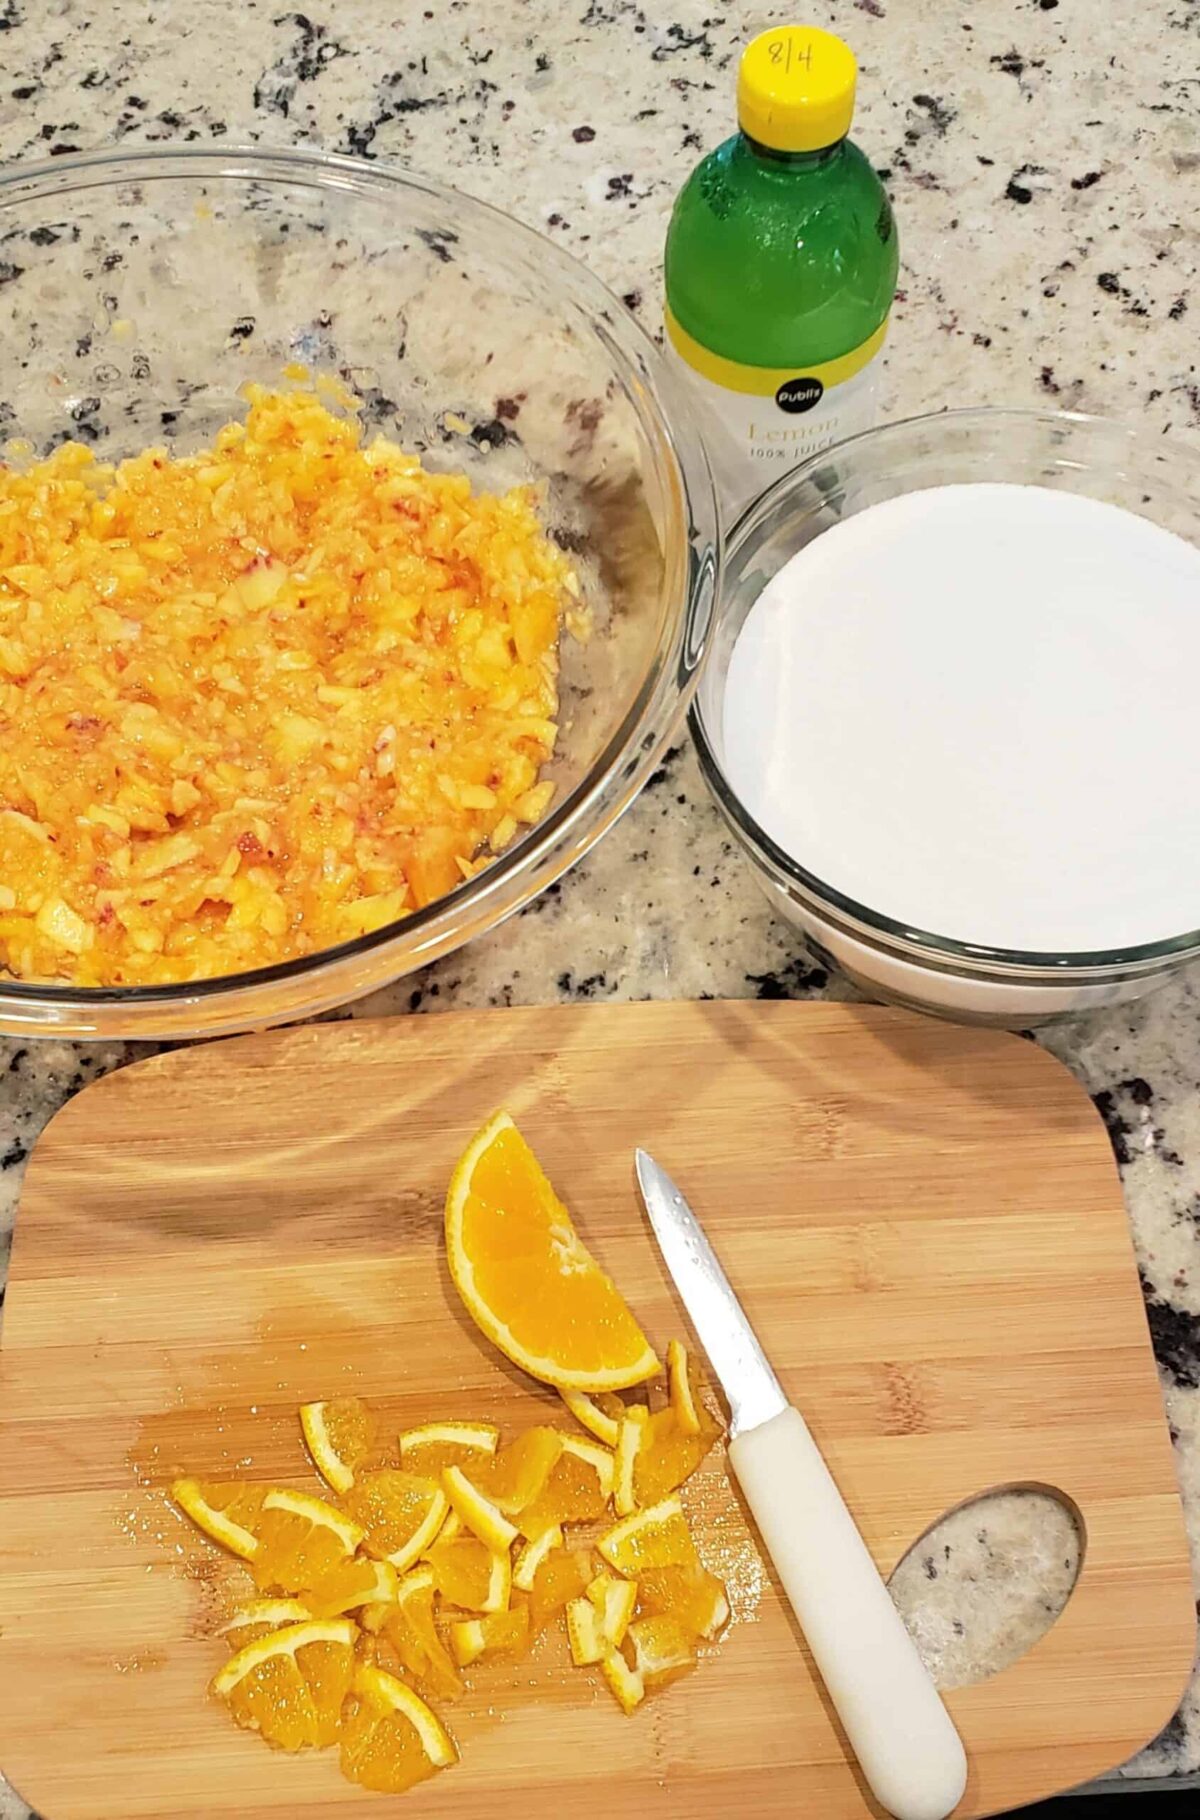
(359, 1581)
(430, 1449)
(466, 1572)
(691, 1595)
(585, 1634)
(532, 1554)
(390, 1738)
(300, 1538)
(667, 1456)
(471, 1638)
(629, 1690)
(519, 1472)
(525, 1276)
(479, 1514)
(410, 1629)
(290, 1684)
(629, 1443)
(228, 1513)
(338, 1436)
(562, 1576)
(683, 1395)
(258, 1616)
(658, 1537)
(661, 1648)
(453, 1526)
(578, 1489)
(601, 1415)
(399, 1513)
(614, 1601)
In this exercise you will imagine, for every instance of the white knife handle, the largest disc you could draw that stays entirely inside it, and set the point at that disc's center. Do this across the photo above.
(891, 1712)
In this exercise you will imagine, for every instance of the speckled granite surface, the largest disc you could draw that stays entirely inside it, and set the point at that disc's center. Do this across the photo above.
(1043, 157)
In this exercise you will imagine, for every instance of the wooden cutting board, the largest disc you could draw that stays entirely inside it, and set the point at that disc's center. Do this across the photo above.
(924, 1223)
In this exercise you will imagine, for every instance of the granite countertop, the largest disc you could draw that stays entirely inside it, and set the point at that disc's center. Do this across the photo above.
(1042, 155)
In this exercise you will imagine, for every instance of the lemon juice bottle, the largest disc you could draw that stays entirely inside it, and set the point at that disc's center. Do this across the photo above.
(781, 264)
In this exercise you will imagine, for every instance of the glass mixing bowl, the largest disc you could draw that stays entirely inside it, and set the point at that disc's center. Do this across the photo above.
(930, 971)
(140, 291)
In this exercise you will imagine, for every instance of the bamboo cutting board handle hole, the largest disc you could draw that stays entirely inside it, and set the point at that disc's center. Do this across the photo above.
(989, 1579)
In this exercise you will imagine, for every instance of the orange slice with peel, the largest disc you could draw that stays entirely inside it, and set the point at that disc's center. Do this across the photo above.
(629, 1443)
(527, 1279)
(428, 1450)
(691, 1595)
(585, 1633)
(661, 1648)
(658, 1537)
(300, 1540)
(667, 1456)
(398, 1512)
(258, 1617)
(227, 1511)
(684, 1400)
(614, 1600)
(467, 1573)
(532, 1554)
(626, 1684)
(339, 1435)
(478, 1513)
(410, 1629)
(518, 1473)
(601, 1415)
(471, 1638)
(290, 1684)
(577, 1490)
(352, 1584)
(390, 1738)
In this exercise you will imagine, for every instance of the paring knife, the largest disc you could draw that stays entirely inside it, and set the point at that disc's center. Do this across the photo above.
(892, 1714)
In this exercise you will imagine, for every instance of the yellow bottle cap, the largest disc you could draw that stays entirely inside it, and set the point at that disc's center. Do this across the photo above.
(796, 88)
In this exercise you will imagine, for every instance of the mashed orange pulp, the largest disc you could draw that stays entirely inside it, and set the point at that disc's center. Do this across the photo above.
(259, 700)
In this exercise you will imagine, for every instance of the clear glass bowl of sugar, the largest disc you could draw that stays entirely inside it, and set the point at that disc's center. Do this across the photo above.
(948, 711)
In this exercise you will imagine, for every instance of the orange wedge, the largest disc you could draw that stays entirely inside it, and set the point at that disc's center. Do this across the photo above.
(525, 1276)
(290, 1684)
(667, 1456)
(629, 1443)
(626, 1684)
(428, 1450)
(228, 1512)
(258, 1617)
(518, 1473)
(560, 1577)
(471, 1638)
(390, 1738)
(410, 1629)
(300, 1540)
(585, 1633)
(691, 1595)
(467, 1573)
(684, 1400)
(399, 1514)
(658, 1537)
(661, 1648)
(614, 1600)
(352, 1584)
(478, 1513)
(532, 1554)
(577, 1490)
(601, 1415)
(339, 1436)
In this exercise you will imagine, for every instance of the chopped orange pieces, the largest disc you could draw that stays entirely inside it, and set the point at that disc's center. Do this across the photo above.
(339, 1436)
(410, 1629)
(577, 1490)
(667, 1456)
(658, 1537)
(691, 1594)
(290, 1684)
(527, 1279)
(661, 1647)
(227, 1513)
(478, 1513)
(430, 1449)
(390, 1739)
(601, 1415)
(469, 1574)
(471, 1638)
(519, 1472)
(399, 1514)
(300, 1540)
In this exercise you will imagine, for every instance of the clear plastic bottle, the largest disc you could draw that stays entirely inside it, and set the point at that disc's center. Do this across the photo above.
(781, 265)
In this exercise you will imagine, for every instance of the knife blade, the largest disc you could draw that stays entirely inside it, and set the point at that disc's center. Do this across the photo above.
(893, 1716)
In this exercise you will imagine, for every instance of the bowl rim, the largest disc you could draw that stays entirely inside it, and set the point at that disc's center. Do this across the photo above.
(860, 920)
(573, 825)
